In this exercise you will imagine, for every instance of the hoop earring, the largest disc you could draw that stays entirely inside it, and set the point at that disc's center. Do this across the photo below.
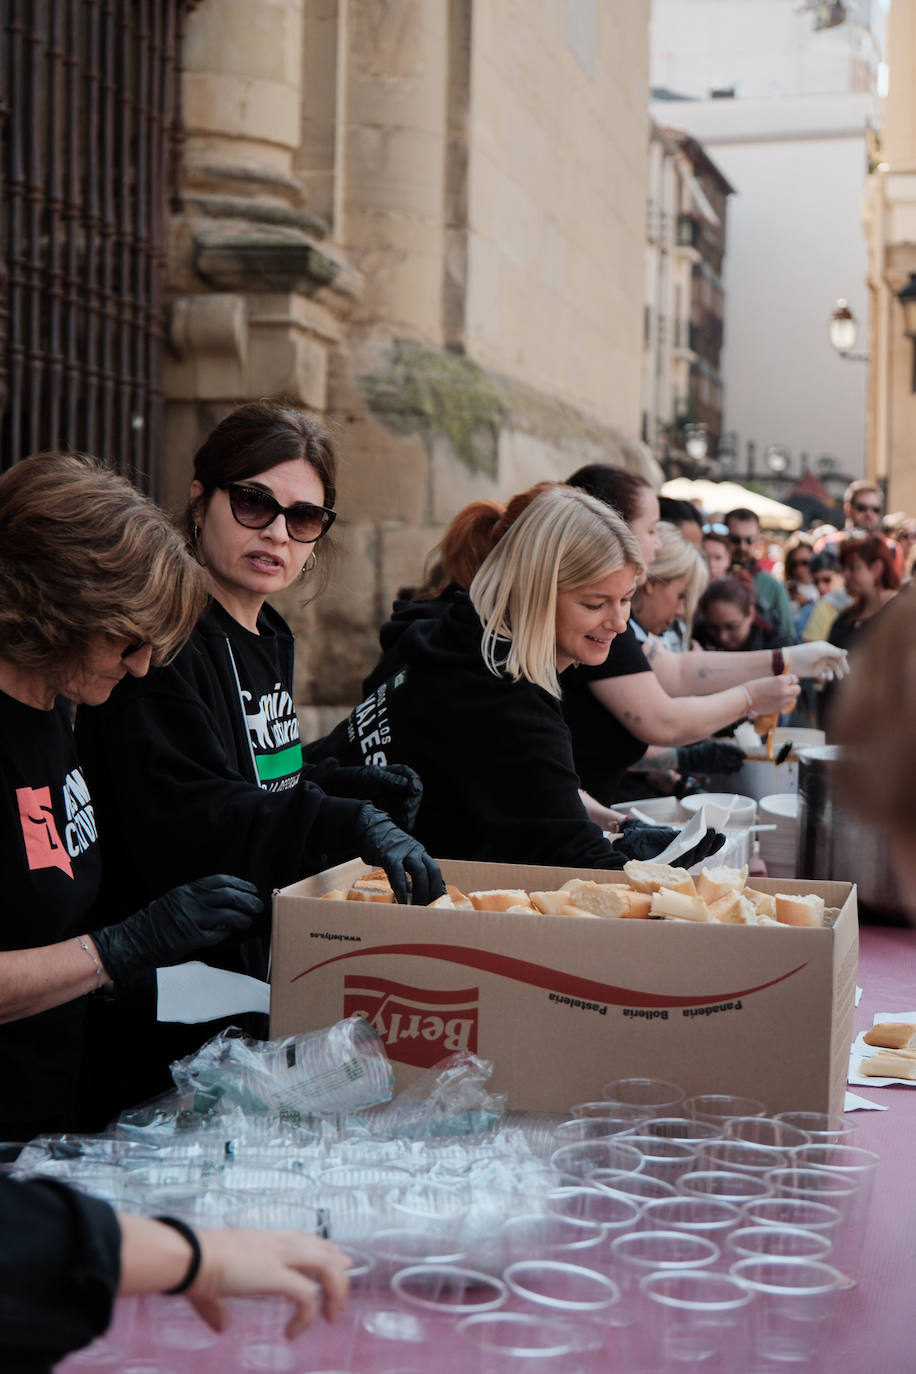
(195, 534)
(309, 565)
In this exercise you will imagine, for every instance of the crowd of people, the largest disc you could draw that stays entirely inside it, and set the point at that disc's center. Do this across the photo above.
(155, 788)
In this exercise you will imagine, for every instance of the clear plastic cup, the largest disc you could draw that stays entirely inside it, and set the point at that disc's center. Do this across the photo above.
(822, 1127)
(397, 1248)
(519, 1342)
(655, 1096)
(686, 1129)
(699, 1216)
(789, 1211)
(639, 1187)
(579, 1160)
(595, 1207)
(567, 1288)
(718, 1108)
(729, 1185)
(739, 1156)
(663, 1158)
(784, 1242)
(180, 1340)
(793, 1307)
(640, 1253)
(592, 1128)
(448, 1290)
(548, 1235)
(768, 1131)
(701, 1320)
(636, 1115)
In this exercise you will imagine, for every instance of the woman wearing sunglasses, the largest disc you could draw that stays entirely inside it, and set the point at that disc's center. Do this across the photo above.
(203, 758)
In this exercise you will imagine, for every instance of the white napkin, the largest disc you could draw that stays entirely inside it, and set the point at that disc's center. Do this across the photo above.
(196, 992)
(691, 834)
(853, 1103)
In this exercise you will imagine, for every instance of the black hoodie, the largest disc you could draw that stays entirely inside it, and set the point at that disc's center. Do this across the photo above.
(494, 755)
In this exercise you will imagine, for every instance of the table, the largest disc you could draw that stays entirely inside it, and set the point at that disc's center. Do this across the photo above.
(874, 1331)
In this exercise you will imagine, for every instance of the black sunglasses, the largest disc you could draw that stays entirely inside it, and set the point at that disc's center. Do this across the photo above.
(134, 648)
(256, 509)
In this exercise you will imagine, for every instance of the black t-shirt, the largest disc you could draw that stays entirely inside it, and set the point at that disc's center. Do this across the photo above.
(50, 865)
(603, 748)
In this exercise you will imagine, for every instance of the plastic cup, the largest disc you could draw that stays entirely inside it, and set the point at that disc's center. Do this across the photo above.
(179, 1338)
(640, 1253)
(663, 1158)
(577, 1161)
(766, 1131)
(701, 1320)
(548, 1235)
(448, 1290)
(596, 1207)
(568, 1288)
(655, 1096)
(592, 1128)
(518, 1342)
(639, 1187)
(739, 1156)
(729, 1185)
(793, 1307)
(783, 1242)
(822, 1127)
(636, 1115)
(686, 1129)
(698, 1216)
(396, 1248)
(788, 1211)
(721, 1107)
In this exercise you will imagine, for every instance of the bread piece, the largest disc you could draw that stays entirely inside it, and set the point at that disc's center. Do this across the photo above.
(453, 900)
(793, 910)
(889, 1064)
(647, 876)
(726, 908)
(714, 883)
(639, 904)
(527, 910)
(892, 1035)
(501, 899)
(336, 894)
(551, 903)
(601, 899)
(371, 887)
(764, 903)
(681, 906)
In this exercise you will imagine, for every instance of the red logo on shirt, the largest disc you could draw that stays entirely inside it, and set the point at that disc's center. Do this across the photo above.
(39, 831)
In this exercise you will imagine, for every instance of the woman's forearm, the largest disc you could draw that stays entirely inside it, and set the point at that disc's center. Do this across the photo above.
(700, 673)
(32, 980)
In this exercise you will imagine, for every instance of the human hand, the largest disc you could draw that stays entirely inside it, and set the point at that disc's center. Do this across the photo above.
(819, 660)
(392, 787)
(309, 1271)
(379, 841)
(172, 928)
(640, 841)
(709, 756)
(771, 696)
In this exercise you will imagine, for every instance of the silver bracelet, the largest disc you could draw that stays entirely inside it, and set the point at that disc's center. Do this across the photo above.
(99, 971)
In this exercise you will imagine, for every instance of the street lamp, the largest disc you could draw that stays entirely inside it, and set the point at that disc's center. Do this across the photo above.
(696, 442)
(841, 330)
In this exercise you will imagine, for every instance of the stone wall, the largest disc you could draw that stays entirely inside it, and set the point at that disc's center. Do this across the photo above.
(422, 220)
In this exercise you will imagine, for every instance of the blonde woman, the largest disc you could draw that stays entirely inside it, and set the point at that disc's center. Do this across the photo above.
(471, 693)
(673, 586)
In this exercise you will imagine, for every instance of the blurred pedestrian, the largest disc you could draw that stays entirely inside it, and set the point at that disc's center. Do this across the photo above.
(745, 538)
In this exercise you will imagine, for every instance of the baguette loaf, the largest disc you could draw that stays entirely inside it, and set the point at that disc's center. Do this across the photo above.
(892, 1035)
(889, 1064)
(371, 887)
(452, 900)
(764, 903)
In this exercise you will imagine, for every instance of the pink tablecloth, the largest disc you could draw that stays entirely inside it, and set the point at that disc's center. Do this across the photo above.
(874, 1333)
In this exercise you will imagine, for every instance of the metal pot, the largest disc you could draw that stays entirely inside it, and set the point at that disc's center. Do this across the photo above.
(833, 845)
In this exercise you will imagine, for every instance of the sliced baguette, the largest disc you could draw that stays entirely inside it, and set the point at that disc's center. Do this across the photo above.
(452, 900)
(892, 1035)
(889, 1064)
(714, 883)
(501, 899)
(601, 899)
(336, 894)
(764, 903)
(647, 876)
(371, 887)
(795, 910)
(680, 906)
(639, 904)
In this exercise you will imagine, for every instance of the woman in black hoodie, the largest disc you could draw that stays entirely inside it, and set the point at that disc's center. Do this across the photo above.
(468, 693)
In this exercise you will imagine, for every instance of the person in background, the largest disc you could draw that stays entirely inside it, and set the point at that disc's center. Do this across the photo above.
(717, 549)
(773, 602)
(728, 620)
(832, 594)
(873, 582)
(666, 600)
(878, 735)
(798, 552)
(684, 515)
(200, 764)
(863, 502)
(66, 1257)
(95, 585)
(469, 688)
(900, 529)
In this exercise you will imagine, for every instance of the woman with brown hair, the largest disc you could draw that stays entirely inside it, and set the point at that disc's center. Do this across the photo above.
(872, 580)
(95, 585)
(201, 763)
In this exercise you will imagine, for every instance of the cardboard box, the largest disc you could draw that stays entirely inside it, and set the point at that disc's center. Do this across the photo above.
(561, 1005)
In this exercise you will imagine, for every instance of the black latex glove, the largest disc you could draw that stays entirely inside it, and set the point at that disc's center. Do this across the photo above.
(392, 787)
(639, 841)
(175, 927)
(380, 842)
(710, 756)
